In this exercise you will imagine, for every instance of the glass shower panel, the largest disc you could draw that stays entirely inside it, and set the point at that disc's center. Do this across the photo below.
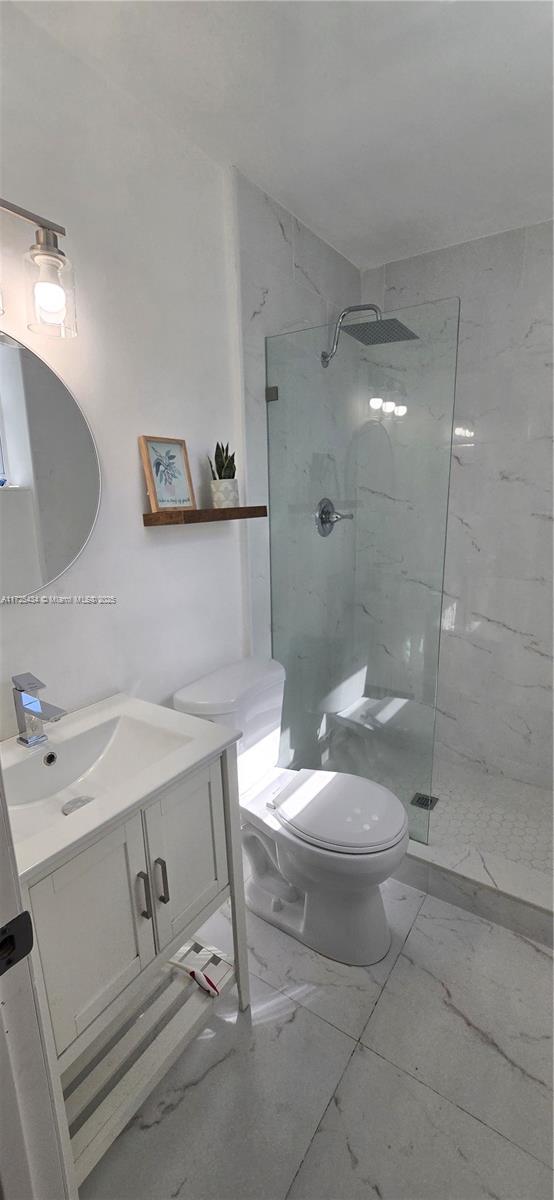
(356, 614)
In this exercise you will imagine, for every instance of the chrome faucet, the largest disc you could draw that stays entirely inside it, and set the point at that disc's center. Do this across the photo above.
(31, 712)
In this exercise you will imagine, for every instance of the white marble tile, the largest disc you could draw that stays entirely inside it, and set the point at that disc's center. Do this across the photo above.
(265, 228)
(342, 995)
(496, 673)
(387, 1135)
(233, 1117)
(275, 298)
(271, 304)
(373, 285)
(324, 270)
(512, 912)
(491, 870)
(467, 1009)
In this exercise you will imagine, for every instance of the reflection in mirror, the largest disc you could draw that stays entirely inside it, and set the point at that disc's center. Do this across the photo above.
(49, 501)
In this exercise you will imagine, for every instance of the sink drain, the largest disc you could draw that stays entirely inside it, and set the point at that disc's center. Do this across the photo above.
(75, 802)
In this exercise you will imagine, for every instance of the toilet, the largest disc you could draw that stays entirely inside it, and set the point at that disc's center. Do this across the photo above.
(319, 843)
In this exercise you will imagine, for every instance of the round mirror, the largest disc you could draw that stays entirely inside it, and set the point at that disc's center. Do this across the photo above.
(49, 472)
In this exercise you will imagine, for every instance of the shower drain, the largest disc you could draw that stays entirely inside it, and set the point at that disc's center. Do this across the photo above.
(75, 802)
(424, 800)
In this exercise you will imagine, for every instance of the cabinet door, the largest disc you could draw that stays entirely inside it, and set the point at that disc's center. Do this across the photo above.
(185, 833)
(91, 936)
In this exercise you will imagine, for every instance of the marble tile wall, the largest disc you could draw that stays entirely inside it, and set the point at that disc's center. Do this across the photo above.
(494, 695)
(290, 279)
(495, 669)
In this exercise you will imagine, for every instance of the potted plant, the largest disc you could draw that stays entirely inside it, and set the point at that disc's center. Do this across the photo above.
(225, 488)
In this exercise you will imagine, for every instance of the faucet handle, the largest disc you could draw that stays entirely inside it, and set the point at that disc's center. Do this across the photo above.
(27, 683)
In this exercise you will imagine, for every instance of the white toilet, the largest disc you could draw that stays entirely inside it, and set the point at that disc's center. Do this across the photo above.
(319, 843)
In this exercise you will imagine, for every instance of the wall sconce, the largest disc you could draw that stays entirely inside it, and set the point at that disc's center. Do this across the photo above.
(465, 434)
(50, 283)
(388, 407)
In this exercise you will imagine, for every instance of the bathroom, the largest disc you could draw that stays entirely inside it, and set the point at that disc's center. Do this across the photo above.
(232, 177)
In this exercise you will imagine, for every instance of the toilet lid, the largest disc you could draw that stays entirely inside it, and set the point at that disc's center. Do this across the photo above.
(341, 812)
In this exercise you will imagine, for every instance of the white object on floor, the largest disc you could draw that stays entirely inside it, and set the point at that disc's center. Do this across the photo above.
(320, 843)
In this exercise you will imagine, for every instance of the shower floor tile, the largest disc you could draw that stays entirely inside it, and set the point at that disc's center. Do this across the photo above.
(493, 830)
(493, 814)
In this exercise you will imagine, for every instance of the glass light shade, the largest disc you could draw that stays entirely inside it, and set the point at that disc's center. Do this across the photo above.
(388, 406)
(400, 410)
(375, 402)
(50, 293)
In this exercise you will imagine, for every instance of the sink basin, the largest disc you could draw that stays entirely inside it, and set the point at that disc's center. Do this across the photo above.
(88, 764)
(98, 762)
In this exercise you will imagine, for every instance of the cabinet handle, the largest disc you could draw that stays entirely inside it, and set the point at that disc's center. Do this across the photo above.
(146, 912)
(161, 863)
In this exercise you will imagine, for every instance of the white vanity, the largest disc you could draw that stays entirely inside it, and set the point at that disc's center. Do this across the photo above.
(126, 830)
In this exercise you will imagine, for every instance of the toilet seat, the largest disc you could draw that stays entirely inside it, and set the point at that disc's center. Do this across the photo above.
(343, 813)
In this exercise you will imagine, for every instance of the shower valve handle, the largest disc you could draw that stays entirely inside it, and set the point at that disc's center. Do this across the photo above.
(327, 517)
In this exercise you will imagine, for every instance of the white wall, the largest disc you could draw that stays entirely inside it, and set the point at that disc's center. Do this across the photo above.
(494, 695)
(290, 279)
(146, 216)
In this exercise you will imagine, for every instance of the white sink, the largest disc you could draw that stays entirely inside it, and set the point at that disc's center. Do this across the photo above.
(98, 762)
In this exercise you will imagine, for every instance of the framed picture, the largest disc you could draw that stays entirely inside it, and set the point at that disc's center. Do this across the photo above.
(167, 471)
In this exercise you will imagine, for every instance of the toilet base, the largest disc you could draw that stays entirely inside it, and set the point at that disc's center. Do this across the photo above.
(350, 928)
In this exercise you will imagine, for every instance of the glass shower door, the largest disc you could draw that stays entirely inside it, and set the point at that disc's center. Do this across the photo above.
(356, 613)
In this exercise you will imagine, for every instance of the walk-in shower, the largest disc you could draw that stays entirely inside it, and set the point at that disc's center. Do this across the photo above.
(362, 452)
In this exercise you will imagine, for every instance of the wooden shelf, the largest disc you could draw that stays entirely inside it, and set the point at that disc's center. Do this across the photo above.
(198, 516)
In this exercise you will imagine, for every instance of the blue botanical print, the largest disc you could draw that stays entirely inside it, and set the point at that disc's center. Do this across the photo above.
(165, 466)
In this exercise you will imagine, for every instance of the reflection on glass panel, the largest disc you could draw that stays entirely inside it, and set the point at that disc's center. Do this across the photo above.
(356, 613)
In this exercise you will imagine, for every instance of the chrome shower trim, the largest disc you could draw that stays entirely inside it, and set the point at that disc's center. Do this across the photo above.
(327, 355)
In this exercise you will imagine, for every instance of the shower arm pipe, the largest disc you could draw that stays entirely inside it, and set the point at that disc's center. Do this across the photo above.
(327, 355)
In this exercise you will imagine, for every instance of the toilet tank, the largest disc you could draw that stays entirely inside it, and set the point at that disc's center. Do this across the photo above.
(247, 695)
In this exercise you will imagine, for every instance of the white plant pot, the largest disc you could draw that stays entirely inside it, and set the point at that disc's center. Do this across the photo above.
(225, 493)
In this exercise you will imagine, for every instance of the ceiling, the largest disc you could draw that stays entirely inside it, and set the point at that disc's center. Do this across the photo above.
(390, 128)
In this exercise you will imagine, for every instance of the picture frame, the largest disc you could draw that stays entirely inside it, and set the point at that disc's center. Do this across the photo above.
(166, 468)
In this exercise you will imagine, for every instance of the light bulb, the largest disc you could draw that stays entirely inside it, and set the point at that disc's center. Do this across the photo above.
(388, 406)
(400, 410)
(375, 402)
(461, 431)
(49, 302)
(50, 288)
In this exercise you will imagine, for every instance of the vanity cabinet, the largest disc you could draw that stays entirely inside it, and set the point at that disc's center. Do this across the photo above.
(104, 915)
(185, 841)
(90, 932)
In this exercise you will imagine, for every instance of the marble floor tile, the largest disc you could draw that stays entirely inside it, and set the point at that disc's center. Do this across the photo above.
(513, 912)
(233, 1117)
(342, 995)
(385, 1135)
(492, 870)
(467, 1009)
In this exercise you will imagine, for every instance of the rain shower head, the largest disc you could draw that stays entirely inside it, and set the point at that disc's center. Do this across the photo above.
(376, 333)
(370, 333)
